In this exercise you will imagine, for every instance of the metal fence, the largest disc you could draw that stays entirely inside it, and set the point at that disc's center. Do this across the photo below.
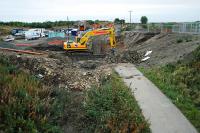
(173, 27)
(56, 34)
(186, 28)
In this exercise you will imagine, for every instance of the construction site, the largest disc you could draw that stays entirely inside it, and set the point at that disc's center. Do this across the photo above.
(100, 76)
(48, 57)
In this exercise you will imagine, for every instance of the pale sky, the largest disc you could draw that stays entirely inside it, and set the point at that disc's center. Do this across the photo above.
(55, 10)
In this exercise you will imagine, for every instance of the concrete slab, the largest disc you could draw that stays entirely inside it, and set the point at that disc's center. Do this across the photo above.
(162, 114)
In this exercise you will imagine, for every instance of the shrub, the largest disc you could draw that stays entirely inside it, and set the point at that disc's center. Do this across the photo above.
(179, 40)
(196, 54)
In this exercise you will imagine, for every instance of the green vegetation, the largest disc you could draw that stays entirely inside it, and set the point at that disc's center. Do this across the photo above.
(179, 40)
(184, 39)
(25, 104)
(29, 106)
(119, 21)
(5, 30)
(47, 24)
(181, 83)
(144, 20)
(112, 108)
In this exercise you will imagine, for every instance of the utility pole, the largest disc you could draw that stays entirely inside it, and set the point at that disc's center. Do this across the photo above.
(67, 29)
(130, 17)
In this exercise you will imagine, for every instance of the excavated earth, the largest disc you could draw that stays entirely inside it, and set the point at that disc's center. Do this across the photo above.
(80, 71)
(62, 72)
(166, 47)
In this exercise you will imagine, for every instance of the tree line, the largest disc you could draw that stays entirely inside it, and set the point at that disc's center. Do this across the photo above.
(47, 24)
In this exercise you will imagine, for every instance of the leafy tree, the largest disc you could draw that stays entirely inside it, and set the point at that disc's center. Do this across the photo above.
(122, 21)
(96, 21)
(117, 21)
(144, 20)
(90, 22)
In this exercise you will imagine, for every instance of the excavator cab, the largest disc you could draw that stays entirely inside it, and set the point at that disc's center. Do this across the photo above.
(78, 39)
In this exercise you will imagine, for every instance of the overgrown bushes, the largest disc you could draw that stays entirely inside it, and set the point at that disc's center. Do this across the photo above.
(25, 104)
(112, 108)
(181, 83)
(4, 30)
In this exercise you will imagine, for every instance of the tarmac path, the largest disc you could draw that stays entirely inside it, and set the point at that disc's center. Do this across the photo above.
(162, 114)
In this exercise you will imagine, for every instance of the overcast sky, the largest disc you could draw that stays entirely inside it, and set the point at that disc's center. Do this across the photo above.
(52, 10)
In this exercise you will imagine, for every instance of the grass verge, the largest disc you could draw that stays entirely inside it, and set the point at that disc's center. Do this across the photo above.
(181, 83)
(112, 108)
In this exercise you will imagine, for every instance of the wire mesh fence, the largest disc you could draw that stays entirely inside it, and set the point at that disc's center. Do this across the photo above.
(170, 27)
(187, 28)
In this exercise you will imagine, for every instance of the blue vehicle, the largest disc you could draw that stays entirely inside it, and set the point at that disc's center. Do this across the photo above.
(17, 31)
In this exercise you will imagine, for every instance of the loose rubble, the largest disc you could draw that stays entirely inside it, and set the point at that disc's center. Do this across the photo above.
(55, 72)
(79, 72)
(131, 56)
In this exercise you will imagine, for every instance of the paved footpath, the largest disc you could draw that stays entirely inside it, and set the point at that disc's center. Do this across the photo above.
(162, 114)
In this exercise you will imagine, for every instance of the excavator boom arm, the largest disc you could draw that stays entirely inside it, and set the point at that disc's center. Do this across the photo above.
(98, 32)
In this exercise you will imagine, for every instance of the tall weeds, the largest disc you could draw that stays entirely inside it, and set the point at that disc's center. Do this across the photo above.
(26, 105)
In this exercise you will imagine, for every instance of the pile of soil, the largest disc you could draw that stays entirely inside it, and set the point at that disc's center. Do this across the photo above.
(132, 38)
(166, 47)
(125, 56)
(51, 44)
(45, 46)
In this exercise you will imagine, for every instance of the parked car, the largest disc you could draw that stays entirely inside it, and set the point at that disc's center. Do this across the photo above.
(9, 38)
(17, 32)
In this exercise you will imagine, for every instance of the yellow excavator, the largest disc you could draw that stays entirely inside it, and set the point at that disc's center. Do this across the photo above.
(84, 43)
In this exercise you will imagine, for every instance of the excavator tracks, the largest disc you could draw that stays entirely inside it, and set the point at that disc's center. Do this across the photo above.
(84, 55)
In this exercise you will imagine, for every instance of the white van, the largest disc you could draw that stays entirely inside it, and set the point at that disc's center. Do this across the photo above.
(34, 34)
(30, 35)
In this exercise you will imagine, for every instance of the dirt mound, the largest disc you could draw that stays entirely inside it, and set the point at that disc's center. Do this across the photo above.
(131, 56)
(135, 38)
(46, 46)
(166, 48)
(52, 44)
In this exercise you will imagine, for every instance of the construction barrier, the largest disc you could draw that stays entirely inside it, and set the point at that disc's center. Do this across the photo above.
(56, 34)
